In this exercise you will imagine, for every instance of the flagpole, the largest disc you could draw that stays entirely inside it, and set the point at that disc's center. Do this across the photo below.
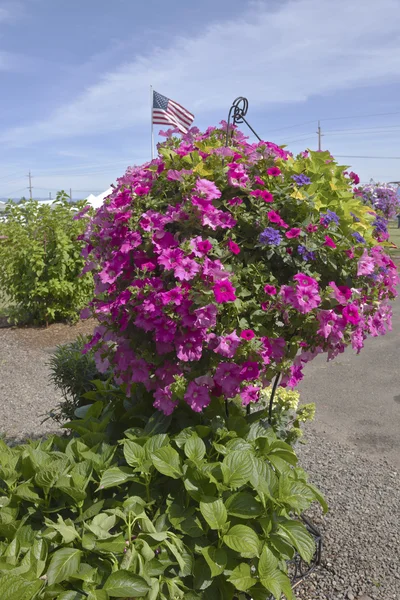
(151, 120)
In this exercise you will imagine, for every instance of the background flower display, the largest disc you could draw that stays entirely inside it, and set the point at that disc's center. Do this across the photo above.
(384, 198)
(218, 268)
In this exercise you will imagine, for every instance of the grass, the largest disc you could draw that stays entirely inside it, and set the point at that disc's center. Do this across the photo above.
(394, 233)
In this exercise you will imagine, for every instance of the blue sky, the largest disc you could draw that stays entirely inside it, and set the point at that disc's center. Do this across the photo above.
(75, 77)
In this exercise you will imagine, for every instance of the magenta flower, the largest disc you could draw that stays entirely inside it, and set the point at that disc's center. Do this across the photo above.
(293, 233)
(235, 201)
(249, 371)
(329, 242)
(207, 189)
(170, 258)
(312, 228)
(227, 345)
(206, 316)
(351, 314)
(186, 269)
(275, 217)
(306, 299)
(354, 177)
(227, 376)
(341, 293)
(365, 265)
(247, 334)
(197, 396)
(327, 320)
(270, 289)
(263, 194)
(224, 291)
(305, 280)
(189, 347)
(233, 247)
(274, 172)
(199, 246)
(250, 393)
(163, 400)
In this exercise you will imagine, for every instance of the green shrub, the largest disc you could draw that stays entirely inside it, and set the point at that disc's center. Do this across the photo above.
(73, 372)
(208, 512)
(41, 262)
(287, 415)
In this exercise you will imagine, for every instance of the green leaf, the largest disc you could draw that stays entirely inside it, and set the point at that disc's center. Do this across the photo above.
(214, 512)
(243, 540)
(134, 453)
(154, 443)
(98, 595)
(14, 587)
(297, 534)
(241, 577)
(124, 584)
(64, 563)
(167, 461)
(243, 505)
(319, 497)
(237, 468)
(115, 476)
(216, 559)
(195, 449)
(71, 596)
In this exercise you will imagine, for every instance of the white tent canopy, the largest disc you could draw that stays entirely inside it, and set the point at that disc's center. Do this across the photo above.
(97, 201)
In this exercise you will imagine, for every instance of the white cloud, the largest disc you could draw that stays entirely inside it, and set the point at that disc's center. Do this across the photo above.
(286, 54)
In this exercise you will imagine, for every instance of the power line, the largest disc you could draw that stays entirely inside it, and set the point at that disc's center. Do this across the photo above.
(361, 116)
(377, 157)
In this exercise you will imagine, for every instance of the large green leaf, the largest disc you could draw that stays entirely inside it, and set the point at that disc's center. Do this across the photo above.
(237, 468)
(241, 578)
(64, 563)
(71, 595)
(274, 580)
(115, 476)
(195, 449)
(298, 536)
(214, 512)
(98, 595)
(243, 505)
(167, 461)
(124, 584)
(134, 453)
(216, 559)
(244, 540)
(14, 587)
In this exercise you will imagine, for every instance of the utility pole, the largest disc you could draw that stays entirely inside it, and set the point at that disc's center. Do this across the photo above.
(49, 195)
(70, 194)
(30, 184)
(319, 136)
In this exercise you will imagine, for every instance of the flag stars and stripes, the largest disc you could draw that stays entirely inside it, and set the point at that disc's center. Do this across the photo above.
(169, 112)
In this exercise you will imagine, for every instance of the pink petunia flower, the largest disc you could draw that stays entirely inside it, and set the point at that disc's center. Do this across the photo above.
(247, 334)
(207, 189)
(249, 371)
(224, 291)
(235, 201)
(329, 242)
(227, 345)
(270, 289)
(293, 233)
(250, 393)
(305, 280)
(163, 400)
(351, 315)
(189, 346)
(365, 265)
(227, 377)
(206, 316)
(199, 246)
(306, 299)
(274, 171)
(197, 396)
(233, 247)
(266, 196)
(312, 228)
(186, 269)
(341, 293)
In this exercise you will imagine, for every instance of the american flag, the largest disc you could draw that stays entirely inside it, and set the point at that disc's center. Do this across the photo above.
(168, 112)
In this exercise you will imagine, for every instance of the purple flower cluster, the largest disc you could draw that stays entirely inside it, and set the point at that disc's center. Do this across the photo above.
(329, 217)
(358, 237)
(270, 236)
(305, 254)
(301, 180)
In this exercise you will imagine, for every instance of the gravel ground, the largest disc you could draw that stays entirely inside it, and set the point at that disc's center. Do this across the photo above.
(26, 395)
(361, 553)
(361, 531)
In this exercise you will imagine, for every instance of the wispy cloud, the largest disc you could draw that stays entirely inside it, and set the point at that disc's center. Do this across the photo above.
(284, 54)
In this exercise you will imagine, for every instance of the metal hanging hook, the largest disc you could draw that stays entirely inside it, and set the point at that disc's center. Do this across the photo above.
(238, 112)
